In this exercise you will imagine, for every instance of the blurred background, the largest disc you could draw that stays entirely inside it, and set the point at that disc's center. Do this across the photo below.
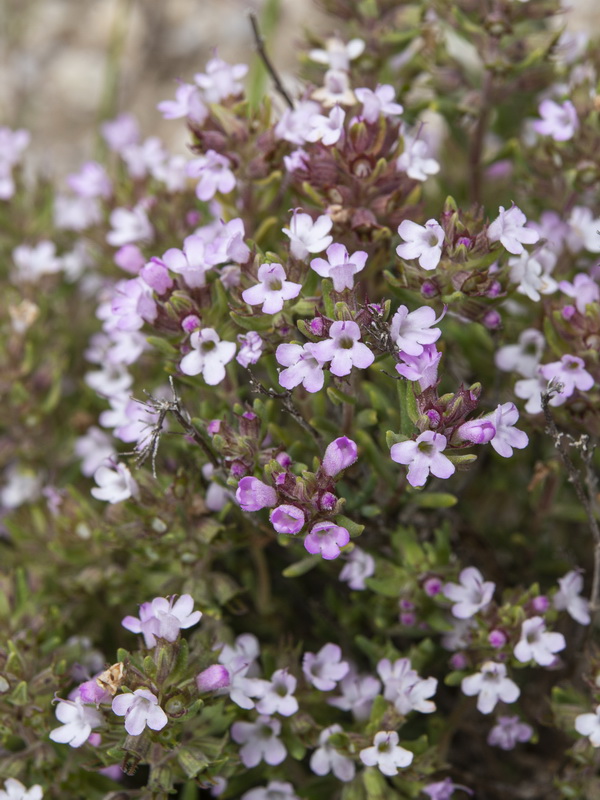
(66, 64)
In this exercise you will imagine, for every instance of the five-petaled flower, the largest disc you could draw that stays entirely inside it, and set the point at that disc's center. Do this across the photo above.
(140, 709)
(273, 289)
(386, 753)
(340, 267)
(424, 242)
(423, 456)
(509, 229)
(537, 644)
(208, 356)
(471, 595)
(490, 685)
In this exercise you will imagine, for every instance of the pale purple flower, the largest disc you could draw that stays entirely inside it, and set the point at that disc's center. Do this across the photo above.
(422, 368)
(307, 236)
(471, 595)
(490, 685)
(405, 688)
(76, 213)
(478, 431)
(225, 242)
(380, 101)
(140, 709)
(294, 123)
(326, 538)
(416, 161)
(91, 181)
(344, 349)
(246, 646)
(326, 758)
(115, 484)
(32, 262)
(589, 725)
(129, 258)
(336, 90)
(558, 121)
(274, 790)
(506, 435)
(287, 519)
(156, 276)
(583, 230)
(523, 357)
(386, 753)
(531, 389)
(423, 456)
(424, 242)
(21, 487)
(252, 494)
(213, 678)
(133, 304)
(273, 289)
(189, 262)
(339, 455)
(14, 789)
(324, 669)
(12, 144)
(143, 159)
(444, 790)
(303, 366)
(188, 103)
(569, 599)
(163, 618)
(278, 695)
(584, 290)
(340, 267)
(531, 273)
(359, 566)
(78, 721)
(509, 229)
(411, 331)
(173, 173)
(221, 80)
(251, 347)
(94, 448)
(208, 356)
(508, 731)
(260, 741)
(337, 53)
(120, 132)
(358, 693)
(129, 225)
(213, 174)
(570, 372)
(297, 160)
(537, 644)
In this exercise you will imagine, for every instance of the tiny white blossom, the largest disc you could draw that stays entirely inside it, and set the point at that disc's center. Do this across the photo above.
(359, 565)
(114, 484)
(307, 236)
(471, 595)
(14, 790)
(326, 758)
(78, 719)
(424, 242)
(509, 229)
(416, 162)
(569, 599)
(491, 685)
(589, 725)
(537, 644)
(386, 753)
(208, 356)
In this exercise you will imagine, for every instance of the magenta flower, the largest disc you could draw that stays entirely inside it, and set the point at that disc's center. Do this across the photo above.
(133, 304)
(423, 456)
(287, 519)
(156, 276)
(340, 267)
(252, 494)
(303, 366)
(478, 431)
(411, 331)
(380, 101)
(537, 644)
(213, 174)
(506, 436)
(490, 685)
(424, 242)
(471, 595)
(213, 678)
(444, 790)
(344, 349)
(570, 372)
(307, 236)
(260, 741)
(509, 229)
(422, 368)
(273, 289)
(386, 753)
(558, 121)
(78, 721)
(140, 709)
(209, 356)
(324, 669)
(339, 455)
(508, 731)
(327, 538)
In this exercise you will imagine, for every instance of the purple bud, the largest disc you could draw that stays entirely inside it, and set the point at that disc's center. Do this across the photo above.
(190, 323)
(284, 459)
(466, 241)
(91, 692)
(494, 289)
(406, 605)
(327, 501)
(130, 258)
(376, 308)
(193, 218)
(287, 519)
(497, 638)
(408, 619)
(434, 417)
(339, 455)
(540, 604)
(429, 289)
(156, 275)
(432, 586)
(280, 478)
(249, 415)
(238, 469)
(213, 678)
(478, 431)
(568, 312)
(94, 739)
(252, 494)
(214, 426)
(458, 661)
(492, 320)
(316, 326)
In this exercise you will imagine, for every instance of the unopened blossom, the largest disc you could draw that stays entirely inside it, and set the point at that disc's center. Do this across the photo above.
(163, 618)
(509, 229)
(344, 349)
(537, 644)
(252, 494)
(524, 356)
(569, 599)
(259, 741)
(358, 693)
(278, 695)
(379, 101)
(189, 262)
(583, 230)
(307, 236)
(274, 790)
(32, 262)
(213, 678)
(287, 519)
(478, 431)
(340, 266)
(444, 790)
(589, 725)
(405, 688)
(424, 242)
(213, 175)
(221, 80)
(411, 331)
(133, 304)
(338, 54)
(120, 132)
(423, 456)
(532, 275)
(557, 120)
(326, 538)
(294, 125)
(570, 372)
(129, 225)
(188, 103)
(156, 276)
(386, 753)
(490, 685)
(14, 790)
(422, 368)
(273, 289)
(208, 356)
(416, 161)
(327, 129)
(94, 448)
(324, 669)
(326, 758)
(141, 710)
(114, 484)
(584, 289)
(359, 566)
(471, 595)
(78, 722)
(506, 436)
(508, 731)
(339, 455)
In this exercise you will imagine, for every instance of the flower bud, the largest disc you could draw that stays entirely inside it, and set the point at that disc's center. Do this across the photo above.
(190, 323)
(432, 586)
(492, 320)
(287, 519)
(156, 275)
(540, 604)
(327, 501)
(478, 431)
(213, 678)
(252, 494)
(339, 455)
(497, 638)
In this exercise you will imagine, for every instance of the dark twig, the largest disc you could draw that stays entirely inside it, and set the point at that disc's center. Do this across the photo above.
(585, 491)
(286, 401)
(260, 48)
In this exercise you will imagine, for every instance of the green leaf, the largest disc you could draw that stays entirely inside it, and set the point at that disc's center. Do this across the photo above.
(162, 345)
(468, 458)
(434, 500)
(338, 397)
(192, 761)
(392, 438)
(353, 528)
(301, 567)
(328, 302)
(260, 322)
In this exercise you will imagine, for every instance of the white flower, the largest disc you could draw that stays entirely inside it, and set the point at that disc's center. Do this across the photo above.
(22, 486)
(508, 229)
(359, 565)
(531, 276)
(507, 436)
(307, 236)
(325, 668)
(523, 357)
(34, 262)
(14, 790)
(340, 266)
(380, 101)
(583, 231)
(140, 709)
(115, 484)
(470, 595)
(411, 331)
(327, 130)
(277, 696)
(78, 719)
(274, 790)
(338, 54)
(209, 356)
(386, 753)
(589, 725)
(326, 759)
(415, 161)
(293, 125)
(421, 241)
(537, 644)
(260, 741)
(129, 226)
(94, 449)
(358, 693)
(569, 599)
(531, 389)
(491, 685)
(405, 688)
(273, 289)
(221, 80)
